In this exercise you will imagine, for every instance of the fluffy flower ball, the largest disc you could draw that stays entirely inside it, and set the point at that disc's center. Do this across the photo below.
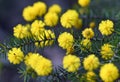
(40, 8)
(91, 62)
(85, 44)
(106, 27)
(109, 72)
(88, 33)
(106, 51)
(21, 31)
(42, 66)
(69, 18)
(51, 19)
(55, 9)
(91, 76)
(84, 3)
(36, 27)
(29, 13)
(71, 63)
(65, 40)
(15, 56)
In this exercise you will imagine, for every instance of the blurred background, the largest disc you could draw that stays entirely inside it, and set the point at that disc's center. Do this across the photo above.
(11, 15)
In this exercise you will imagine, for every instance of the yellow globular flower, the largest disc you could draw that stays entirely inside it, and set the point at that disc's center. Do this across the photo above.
(51, 19)
(106, 27)
(69, 18)
(29, 13)
(85, 44)
(44, 67)
(36, 27)
(65, 40)
(40, 8)
(84, 3)
(31, 59)
(106, 51)
(91, 76)
(109, 72)
(91, 62)
(70, 50)
(71, 63)
(55, 9)
(88, 33)
(15, 56)
(39, 64)
(92, 24)
(27, 57)
(78, 24)
(48, 38)
(21, 31)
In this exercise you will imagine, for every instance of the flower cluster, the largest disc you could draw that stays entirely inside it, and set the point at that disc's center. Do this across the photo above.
(90, 52)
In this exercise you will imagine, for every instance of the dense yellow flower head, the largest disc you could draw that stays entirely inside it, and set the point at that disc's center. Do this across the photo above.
(29, 13)
(65, 40)
(84, 3)
(69, 18)
(106, 51)
(39, 64)
(36, 27)
(88, 33)
(92, 24)
(91, 76)
(44, 67)
(106, 27)
(109, 72)
(71, 63)
(91, 62)
(55, 8)
(85, 44)
(51, 19)
(78, 24)
(46, 37)
(31, 59)
(15, 56)
(21, 31)
(70, 50)
(40, 8)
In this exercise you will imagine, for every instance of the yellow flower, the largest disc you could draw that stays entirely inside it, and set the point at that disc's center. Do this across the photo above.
(70, 50)
(15, 56)
(106, 51)
(86, 44)
(92, 24)
(71, 63)
(91, 62)
(36, 27)
(40, 8)
(78, 24)
(106, 27)
(109, 72)
(69, 18)
(39, 64)
(46, 37)
(31, 59)
(88, 33)
(51, 19)
(84, 3)
(44, 67)
(91, 76)
(65, 40)
(21, 31)
(55, 9)
(29, 13)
